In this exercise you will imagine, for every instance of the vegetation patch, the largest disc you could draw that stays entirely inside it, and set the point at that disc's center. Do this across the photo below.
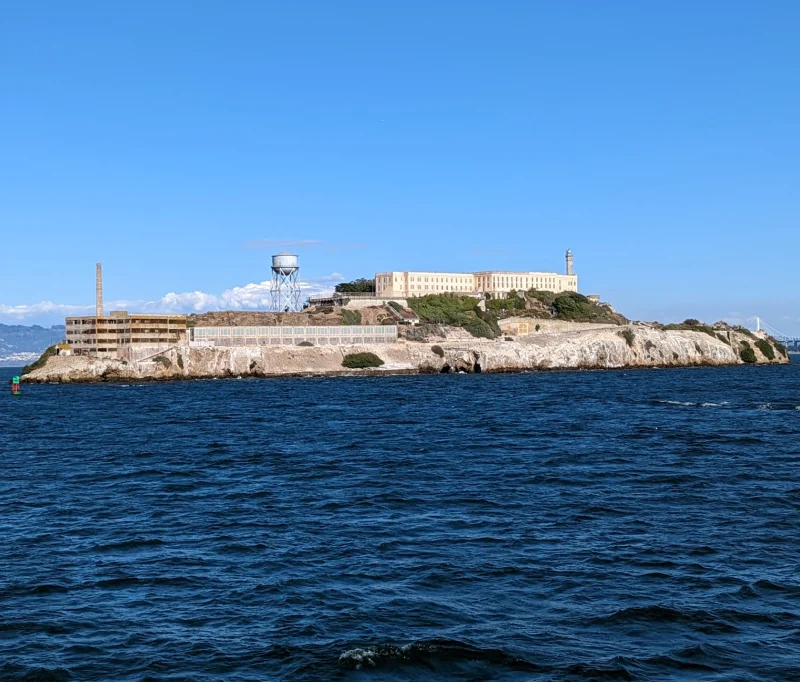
(163, 360)
(649, 345)
(456, 311)
(722, 338)
(691, 325)
(395, 306)
(748, 355)
(437, 350)
(361, 361)
(628, 335)
(180, 361)
(305, 343)
(780, 347)
(351, 317)
(357, 286)
(510, 304)
(49, 352)
(745, 331)
(766, 348)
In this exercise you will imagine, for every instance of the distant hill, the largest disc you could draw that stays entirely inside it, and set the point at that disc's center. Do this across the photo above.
(20, 344)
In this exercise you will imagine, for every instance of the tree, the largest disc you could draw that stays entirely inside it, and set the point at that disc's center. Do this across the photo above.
(357, 286)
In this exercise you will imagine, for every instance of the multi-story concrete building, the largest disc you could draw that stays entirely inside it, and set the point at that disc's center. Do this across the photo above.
(418, 283)
(118, 334)
(405, 284)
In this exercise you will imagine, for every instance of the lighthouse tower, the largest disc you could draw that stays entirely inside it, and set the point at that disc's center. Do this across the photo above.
(570, 263)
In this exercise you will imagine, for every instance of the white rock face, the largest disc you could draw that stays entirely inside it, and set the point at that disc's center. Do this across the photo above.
(601, 347)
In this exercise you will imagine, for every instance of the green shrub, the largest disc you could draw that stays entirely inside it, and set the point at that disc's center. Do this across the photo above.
(357, 286)
(691, 325)
(305, 343)
(538, 327)
(748, 355)
(707, 330)
(722, 338)
(628, 335)
(479, 329)
(437, 350)
(745, 331)
(361, 360)
(351, 317)
(780, 348)
(457, 311)
(546, 297)
(513, 302)
(766, 348)
(163, 360)
(571, 306)
(180, 360)
(395, 305)
(49, 352)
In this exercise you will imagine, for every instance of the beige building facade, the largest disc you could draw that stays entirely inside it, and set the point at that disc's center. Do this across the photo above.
(405, 284)
(108, 336)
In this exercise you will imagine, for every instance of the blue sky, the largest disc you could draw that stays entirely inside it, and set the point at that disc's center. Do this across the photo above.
(181, 143)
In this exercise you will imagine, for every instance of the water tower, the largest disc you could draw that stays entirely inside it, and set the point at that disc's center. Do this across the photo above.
(285, 290)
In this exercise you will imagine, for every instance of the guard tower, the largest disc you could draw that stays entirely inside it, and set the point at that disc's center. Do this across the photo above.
(285, 290)
(570, 263)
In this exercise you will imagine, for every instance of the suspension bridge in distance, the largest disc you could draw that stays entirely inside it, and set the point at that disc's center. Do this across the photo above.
(792, 343)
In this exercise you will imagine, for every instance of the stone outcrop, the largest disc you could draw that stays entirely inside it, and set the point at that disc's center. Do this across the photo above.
(601, 347)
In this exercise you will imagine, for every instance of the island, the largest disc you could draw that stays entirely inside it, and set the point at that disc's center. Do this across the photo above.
(446, 333)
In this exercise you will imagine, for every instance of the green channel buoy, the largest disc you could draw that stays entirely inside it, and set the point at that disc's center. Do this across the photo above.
(15, 389)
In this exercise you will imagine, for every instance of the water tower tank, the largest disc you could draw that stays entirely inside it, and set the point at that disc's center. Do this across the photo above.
(285, 263)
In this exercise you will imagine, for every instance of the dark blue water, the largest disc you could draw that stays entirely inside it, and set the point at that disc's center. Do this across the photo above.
(557, 526)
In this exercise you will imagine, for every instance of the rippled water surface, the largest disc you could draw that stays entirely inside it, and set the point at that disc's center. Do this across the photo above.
(555, 526)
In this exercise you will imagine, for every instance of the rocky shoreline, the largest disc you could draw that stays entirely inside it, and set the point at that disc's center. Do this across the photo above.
(603, 347)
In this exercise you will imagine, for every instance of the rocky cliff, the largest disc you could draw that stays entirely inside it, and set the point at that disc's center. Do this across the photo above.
(592, 348)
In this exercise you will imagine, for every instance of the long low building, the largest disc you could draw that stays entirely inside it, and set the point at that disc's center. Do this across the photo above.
(344, 335)
(497, 283)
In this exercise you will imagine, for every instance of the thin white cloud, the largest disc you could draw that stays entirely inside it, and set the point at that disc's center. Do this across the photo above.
(43, 308)
(251, 296)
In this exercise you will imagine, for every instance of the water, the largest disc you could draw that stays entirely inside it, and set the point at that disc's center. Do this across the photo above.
(557, 526)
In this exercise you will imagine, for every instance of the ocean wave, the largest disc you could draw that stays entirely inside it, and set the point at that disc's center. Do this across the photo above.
(584, 671)
(428, 653)
(686, 403)
(17, 673)
(698, 619)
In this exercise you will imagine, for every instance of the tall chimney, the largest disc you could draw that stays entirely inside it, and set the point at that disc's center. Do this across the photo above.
(570, 266)
(99, 291)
